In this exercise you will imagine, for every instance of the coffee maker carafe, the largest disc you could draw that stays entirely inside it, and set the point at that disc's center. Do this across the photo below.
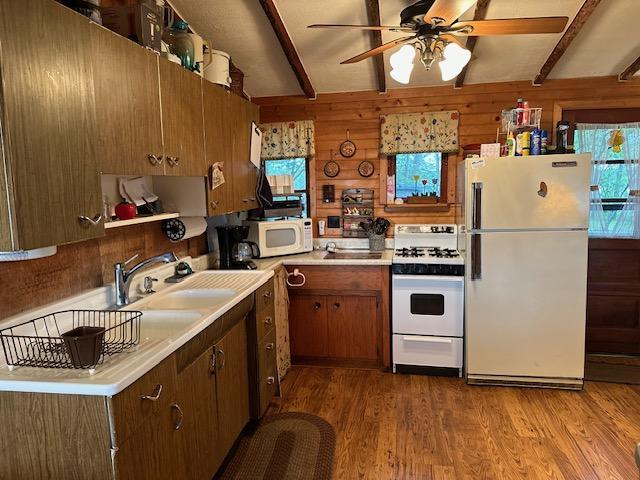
(236, 251)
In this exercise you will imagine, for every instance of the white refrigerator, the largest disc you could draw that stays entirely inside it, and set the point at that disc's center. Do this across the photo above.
(524, 227)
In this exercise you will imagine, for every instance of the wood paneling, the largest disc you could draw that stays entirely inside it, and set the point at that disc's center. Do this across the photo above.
(479, 106)
(49, 123)
(45, 436)
(423, 427)
(81, 266)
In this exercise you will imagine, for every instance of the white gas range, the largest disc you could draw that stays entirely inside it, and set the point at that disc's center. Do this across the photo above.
(427, 298)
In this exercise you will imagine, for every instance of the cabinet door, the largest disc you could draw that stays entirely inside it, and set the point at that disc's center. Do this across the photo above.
(199, 433)
(182, 123)
(49, 123)
(308, 325)
(244, 172)
(352, 327)
(232, 377)
(219, 133)
(127, 90)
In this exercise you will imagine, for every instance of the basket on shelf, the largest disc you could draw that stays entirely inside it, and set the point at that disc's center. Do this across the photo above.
(70, 338)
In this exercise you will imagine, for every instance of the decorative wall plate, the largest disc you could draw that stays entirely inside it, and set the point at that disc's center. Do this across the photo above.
(366, 169)
(347, 148)
(331, 169)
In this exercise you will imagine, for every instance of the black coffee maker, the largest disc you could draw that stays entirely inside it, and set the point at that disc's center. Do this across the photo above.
(236, 251)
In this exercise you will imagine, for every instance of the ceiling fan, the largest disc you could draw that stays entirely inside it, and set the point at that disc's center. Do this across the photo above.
(435, 32)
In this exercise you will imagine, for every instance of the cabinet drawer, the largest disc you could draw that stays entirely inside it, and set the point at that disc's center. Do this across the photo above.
(265, 322)
(268, 377)
(427, 351)
(264, 296)
(129, 407)
(339, 278)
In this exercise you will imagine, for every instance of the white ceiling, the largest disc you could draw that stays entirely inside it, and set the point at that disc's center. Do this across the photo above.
(607, 44)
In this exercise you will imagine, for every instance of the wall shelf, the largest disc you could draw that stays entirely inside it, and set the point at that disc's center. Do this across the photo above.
(139, 220)
(419, 207)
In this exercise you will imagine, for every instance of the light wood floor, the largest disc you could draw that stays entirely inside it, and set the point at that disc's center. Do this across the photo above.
(417, 427)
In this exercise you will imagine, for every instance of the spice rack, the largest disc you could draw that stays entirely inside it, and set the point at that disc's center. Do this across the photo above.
(518, 118)
(357, 206)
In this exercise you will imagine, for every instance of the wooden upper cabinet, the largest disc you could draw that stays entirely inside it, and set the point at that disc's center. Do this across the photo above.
(48, 126)
(127, 91)
(244, 172)
(182, 120)
(219, 137)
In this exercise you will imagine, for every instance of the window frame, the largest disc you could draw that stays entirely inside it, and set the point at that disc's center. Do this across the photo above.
(306, 192)
(444, 174)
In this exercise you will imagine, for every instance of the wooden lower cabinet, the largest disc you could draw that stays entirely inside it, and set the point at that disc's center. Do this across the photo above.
(341, 316)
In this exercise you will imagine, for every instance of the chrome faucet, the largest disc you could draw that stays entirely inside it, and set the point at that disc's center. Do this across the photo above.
(124, 277)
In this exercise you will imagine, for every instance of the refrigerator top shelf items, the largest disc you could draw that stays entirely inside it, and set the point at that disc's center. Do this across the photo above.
(520, 119)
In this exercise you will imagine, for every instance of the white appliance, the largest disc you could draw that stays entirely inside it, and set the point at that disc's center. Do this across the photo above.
(427, 298)
(281, 237)
(525, 241)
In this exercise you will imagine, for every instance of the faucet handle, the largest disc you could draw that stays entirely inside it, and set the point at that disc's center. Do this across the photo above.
(148, 284)
(127, 262)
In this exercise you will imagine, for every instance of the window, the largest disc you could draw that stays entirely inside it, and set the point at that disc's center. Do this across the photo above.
(298, 168)
(421, 174)
(614, 206)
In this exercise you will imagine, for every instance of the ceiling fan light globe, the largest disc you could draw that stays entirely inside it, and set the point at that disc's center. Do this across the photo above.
(402, 74)
(403, 57)
(454, 60)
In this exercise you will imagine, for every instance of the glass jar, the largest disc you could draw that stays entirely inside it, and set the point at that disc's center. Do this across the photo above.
(180, 43)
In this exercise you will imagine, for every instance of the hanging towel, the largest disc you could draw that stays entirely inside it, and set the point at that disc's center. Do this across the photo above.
(263, 190)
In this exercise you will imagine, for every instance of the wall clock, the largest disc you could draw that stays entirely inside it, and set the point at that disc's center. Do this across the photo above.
(365, 169)
(331, 169)
(347, 148)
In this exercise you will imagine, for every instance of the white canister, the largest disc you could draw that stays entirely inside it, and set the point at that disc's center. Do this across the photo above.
(218, 69)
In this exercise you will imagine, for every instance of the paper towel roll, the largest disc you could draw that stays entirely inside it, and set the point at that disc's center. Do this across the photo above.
(183, 228)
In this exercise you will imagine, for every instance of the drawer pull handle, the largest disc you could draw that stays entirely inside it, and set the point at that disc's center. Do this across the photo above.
(155, 160)
(173, 161)
(268, 321)
(155, 396)
(296, 273)
(269, 346)
(271, 380)
(178, 425)
(213, 204)
(212, 364)
(316, 306)
(267, 294)
(95, 221)
(336, 305)
(223, 359)
(415, 338)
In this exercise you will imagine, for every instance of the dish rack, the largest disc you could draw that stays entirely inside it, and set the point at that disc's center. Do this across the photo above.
(70, 338)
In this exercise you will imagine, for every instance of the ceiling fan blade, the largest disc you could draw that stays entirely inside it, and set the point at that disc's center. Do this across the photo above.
(514, 26)
(447, 10)
(452, 38)
(378, 50)
(363, 27)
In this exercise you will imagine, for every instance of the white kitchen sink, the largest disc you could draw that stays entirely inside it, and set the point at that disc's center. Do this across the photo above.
(164, 324)
(193, 298)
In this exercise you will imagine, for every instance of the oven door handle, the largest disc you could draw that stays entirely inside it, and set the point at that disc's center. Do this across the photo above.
(416, 338)
(440, 278)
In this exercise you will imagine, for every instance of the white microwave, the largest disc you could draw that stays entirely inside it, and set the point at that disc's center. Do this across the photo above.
(281, 237)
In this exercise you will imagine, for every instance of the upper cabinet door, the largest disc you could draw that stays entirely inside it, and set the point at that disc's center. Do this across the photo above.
(127, 90)
(49, 123)
(245, 172)
(219, 133)
(182, 122)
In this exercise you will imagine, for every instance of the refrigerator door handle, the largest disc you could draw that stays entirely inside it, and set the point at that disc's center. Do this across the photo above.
(476, 256)
(476, 210)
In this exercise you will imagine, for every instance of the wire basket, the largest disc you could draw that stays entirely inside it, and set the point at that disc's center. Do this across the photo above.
(70, 338)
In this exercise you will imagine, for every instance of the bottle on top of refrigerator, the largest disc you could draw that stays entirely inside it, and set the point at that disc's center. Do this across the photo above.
(518, 144)
(519, 112)
(544, 139)
(526, 143)
(511, 145)
(525, 113)
(535, 142)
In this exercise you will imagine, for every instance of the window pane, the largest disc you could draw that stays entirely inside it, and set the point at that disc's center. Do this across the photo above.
(618, 222)
(297, 167)
(418, 173)
(614, 181)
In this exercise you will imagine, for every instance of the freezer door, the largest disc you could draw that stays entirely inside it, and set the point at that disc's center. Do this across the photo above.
(525, 314)
(539, 192)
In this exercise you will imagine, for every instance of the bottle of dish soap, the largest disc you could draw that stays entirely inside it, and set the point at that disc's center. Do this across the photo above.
(511, 145)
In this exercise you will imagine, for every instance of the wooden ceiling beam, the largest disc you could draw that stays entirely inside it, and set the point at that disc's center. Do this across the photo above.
(481, 12)
(373, 17)
(287, 46)
(570, 34)
(630, 71)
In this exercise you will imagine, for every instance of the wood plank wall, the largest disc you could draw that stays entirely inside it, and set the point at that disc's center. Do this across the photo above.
(479, 107)
(84, 265)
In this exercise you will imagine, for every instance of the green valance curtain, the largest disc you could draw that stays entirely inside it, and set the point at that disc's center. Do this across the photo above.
(419, 132)
(288, 140)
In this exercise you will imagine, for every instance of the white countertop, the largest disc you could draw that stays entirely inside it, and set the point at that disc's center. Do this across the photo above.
(157, 342)
(317, 257)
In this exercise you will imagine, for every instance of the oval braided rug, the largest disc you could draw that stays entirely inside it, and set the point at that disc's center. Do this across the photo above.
(285, 446)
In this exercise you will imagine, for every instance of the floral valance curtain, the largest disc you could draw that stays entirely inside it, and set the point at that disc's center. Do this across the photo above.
(615, 176)
(287, 140)
(419, 132)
